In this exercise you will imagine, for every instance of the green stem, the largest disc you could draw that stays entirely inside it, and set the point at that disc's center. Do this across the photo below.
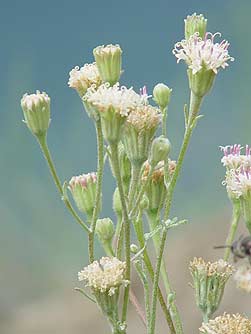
(141, 193)
(156, 283)
(126, 225)
(195, 103)
(140, 236)
(100, 168)
(164, 125)
(232, 231)
(142, 275)
(205, 318)
(153, 222)
(134, 183)
(44, 147)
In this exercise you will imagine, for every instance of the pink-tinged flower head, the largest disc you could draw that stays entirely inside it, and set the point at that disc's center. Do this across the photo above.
(83, 190)
(203, 53)
(83, 180)
(238, 182)
(233, 158)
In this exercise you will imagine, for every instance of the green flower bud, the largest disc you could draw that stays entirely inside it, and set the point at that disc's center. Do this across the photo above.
(161, 95)
(117, 207)
(138, 132)
(160, 150)
(36, 109)
(83, 190)
(104, 229)
(209, 280)
(195, 23)
(108, 60)
(201, 82)
(134, 249)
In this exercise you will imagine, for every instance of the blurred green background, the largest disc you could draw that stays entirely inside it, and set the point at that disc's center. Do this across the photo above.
(41, 246)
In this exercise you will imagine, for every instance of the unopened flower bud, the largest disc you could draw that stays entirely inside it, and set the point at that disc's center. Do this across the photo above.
(160, 150)
(36, 109)
(108, 60)
(134, 249)
(195, 23)
(104, 229)
(161, 95)
(83, 189)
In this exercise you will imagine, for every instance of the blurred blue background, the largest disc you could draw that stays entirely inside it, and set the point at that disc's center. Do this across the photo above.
(41, 246)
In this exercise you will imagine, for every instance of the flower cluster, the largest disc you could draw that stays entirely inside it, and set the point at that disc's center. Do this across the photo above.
(105, 275)
(201, 53)
(227, 324)
(243, 278)
(83, 78)
(118, 98)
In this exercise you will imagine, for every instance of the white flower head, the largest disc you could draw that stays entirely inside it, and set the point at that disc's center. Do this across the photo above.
(83, 78)
(201, 53)
(243, 278)
(227, 324)
(233, 158)
(105, 275)
(238, 182)
(117, 98)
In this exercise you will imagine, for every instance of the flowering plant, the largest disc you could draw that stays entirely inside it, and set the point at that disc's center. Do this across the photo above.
(127, 127)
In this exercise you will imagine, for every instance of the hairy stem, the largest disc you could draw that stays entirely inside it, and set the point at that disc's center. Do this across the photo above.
(232, 231)
(156, 283)
(164, 125)
(140, 236)
(195, 103)
(100, 168)
(44, 147)
(126, 224)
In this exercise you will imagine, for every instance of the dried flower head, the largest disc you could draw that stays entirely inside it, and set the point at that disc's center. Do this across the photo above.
(243, 278)
(155, 188)
(105, 275)
(219, 268)
(158, 173)
(117, 98)
(36, 109)
(227, 324)
(209, 280)
(233, 158)
(83, 78)
(201, 53)
(144, 118)
(83, 189)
